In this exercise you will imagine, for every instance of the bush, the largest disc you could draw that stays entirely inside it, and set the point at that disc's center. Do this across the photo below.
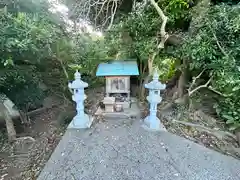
(21, 85)
(229, 110)
(215, 47)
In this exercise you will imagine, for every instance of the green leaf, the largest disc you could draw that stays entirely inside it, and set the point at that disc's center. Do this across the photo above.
(230, 118)
(236, 88)
(230, 121)
(233, 128)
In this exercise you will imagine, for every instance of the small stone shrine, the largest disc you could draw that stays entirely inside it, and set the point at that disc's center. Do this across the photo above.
(117, 74)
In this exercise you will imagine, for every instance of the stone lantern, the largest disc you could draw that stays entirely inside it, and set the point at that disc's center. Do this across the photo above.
(151, 121)
(81, 120)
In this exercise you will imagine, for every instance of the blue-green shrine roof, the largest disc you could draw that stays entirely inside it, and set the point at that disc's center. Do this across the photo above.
(118, 68)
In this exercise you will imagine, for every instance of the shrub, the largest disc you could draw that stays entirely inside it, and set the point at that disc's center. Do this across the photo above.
(21, 85)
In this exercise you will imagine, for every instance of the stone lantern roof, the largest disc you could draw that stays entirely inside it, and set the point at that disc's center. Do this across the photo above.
(155, 84)
(77, 83)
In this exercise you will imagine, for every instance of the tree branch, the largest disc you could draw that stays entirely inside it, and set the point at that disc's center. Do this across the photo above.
(113, 12)
(206, 85)
(217, 92)
(164, 34)
(105, 10)
(218, 133)
(195, 79)
(201, 86)
(218, 44)
(190, 91)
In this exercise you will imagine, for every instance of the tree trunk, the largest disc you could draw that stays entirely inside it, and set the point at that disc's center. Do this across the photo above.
(181, 85)
(238, 136)
(182, 98)
(9, 124)
(164, 37)
(143, 90)
(182, 82)
(147, 79)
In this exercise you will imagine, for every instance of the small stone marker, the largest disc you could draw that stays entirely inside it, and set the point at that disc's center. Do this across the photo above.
(81, 120)
(109, 103)
(151, 121)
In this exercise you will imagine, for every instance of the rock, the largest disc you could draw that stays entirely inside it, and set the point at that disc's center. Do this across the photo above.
(10, 106)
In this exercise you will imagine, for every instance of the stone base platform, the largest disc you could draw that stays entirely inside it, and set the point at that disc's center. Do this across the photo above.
(132, 112)
(81, 122)
(158, 126)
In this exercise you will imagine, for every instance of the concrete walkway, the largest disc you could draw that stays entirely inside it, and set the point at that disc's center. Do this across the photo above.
(123, 150)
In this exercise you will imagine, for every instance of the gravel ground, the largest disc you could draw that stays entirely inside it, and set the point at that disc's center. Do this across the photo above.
(122, 149)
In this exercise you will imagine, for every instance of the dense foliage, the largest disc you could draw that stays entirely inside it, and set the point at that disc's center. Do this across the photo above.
(25, 40)
(216, 47)
(37, 48)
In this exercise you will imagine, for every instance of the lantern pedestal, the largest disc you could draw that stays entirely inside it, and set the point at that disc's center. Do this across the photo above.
(154, 125)
(81, 122)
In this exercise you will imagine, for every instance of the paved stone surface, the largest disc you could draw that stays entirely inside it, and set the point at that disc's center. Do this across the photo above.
(123, 150)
